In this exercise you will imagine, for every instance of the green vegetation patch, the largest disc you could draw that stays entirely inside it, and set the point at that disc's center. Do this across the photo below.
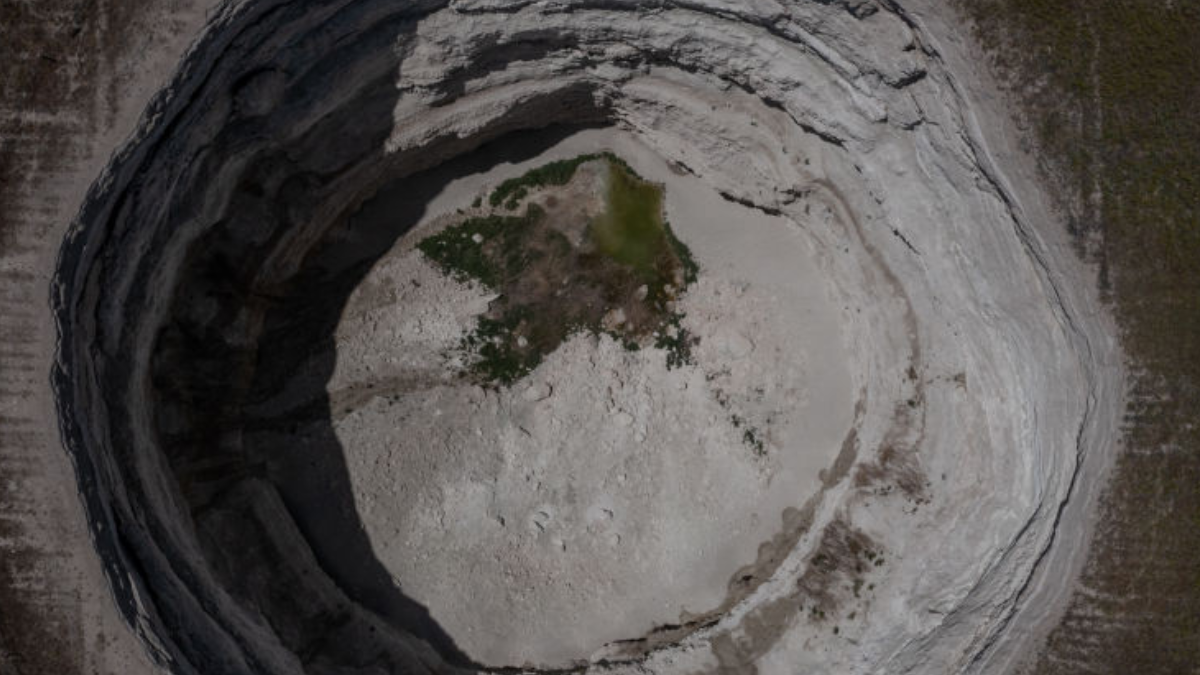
(512, 191)
(460, 250)
(621, 278)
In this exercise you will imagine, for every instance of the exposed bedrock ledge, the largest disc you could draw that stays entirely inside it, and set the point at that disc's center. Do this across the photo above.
(214, 255)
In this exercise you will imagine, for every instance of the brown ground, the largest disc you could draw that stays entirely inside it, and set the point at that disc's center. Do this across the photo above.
(71, 73)
(553, 280)
(1109, 94)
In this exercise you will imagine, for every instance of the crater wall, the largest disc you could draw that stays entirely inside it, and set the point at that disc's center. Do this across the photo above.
(298, 141)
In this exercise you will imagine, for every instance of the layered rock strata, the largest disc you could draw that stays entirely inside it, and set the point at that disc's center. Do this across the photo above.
(298, 141)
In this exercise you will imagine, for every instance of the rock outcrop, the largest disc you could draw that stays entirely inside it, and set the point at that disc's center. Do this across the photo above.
(298, 141)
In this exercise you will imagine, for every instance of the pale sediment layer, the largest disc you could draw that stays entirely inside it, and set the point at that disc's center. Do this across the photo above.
(607, 493)
(199, 294)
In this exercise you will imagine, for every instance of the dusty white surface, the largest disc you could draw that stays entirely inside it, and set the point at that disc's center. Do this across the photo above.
(1050, 588)
(604, 494)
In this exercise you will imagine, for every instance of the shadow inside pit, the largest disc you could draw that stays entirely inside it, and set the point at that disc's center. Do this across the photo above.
(289, 434)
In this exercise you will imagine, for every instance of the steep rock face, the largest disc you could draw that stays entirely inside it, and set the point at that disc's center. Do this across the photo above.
(212, 259)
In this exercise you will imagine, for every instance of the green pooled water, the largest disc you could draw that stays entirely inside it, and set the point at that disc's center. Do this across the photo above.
(631, 230)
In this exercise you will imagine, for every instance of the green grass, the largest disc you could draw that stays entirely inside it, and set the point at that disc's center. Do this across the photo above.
(457, 253)
(512, 191)
(549, 289)
(500, 360)
(676, 341)
(559, 172)
(501, 253)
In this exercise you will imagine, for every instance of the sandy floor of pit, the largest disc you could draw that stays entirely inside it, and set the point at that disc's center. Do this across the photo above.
(605, 494)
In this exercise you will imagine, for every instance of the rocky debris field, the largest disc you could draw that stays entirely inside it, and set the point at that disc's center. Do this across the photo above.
(901, 397)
